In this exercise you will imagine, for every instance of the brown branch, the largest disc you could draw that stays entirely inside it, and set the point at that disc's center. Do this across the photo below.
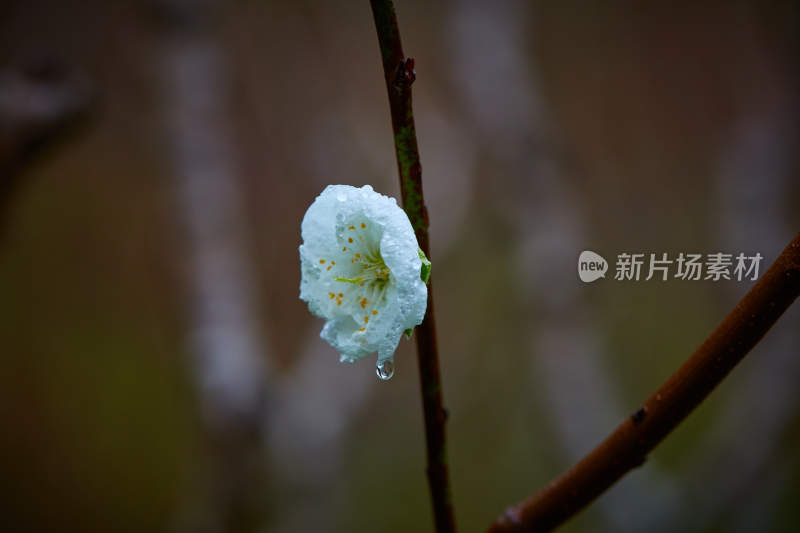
(627, 447)
(399, 74)
(39, 107)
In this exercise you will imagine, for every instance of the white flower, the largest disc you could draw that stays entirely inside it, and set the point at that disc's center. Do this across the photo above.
(361, 267)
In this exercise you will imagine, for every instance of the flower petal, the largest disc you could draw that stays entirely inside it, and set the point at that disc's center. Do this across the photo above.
(360, 269)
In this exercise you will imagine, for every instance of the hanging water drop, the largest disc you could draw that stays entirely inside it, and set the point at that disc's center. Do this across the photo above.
(385, 369)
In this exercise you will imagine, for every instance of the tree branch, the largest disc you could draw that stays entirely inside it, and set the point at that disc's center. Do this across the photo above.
(627, 447)
(39, 107)
(399, 75)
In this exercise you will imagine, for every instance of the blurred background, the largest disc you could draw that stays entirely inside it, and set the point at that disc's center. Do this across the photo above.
(158, 371)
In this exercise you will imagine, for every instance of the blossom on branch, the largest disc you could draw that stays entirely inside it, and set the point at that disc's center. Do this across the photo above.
(362, 271)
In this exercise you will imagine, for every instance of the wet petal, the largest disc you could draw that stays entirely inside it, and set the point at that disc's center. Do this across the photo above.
(360, 268)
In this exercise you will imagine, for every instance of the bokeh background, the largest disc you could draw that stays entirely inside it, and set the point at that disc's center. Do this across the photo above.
(158, 371)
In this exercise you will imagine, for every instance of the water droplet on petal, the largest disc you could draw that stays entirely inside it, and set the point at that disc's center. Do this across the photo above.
(385, 369)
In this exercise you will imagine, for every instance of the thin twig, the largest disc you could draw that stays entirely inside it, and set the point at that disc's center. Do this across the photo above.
(627, 447)
(399, 74)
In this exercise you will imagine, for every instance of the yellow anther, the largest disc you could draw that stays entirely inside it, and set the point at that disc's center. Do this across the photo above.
(374, 311)
(358, 256)
(363, 329)
(352, 227)
(341, 295)
(366, 319)
(349, 239)
(331, 295)
(363, 303)
(344, 249)
(329, 267)
(321, 261)
(363, 225)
